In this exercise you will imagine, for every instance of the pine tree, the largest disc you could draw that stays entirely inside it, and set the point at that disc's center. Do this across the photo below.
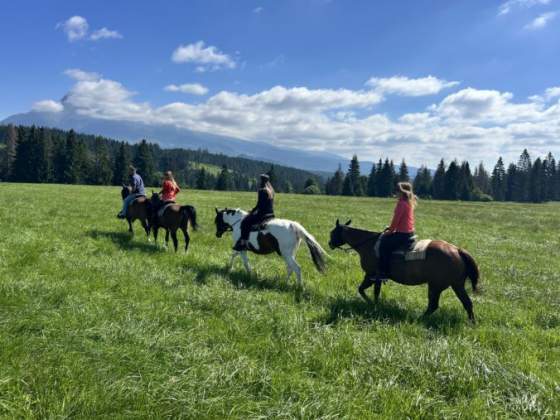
(224, 181)
(75, 166)
(466, 184)
(438, 183)
(311, 187)
(372, 182)
(452, 178)
(8, 154)
(352, 184)
(201, 180)
(511, 183)
(403, 173)
(386, 180)
(122, 160)
(21, 169)
(42, 156)
(58, 159)
(482, 179)
(537, 189)
(336, 183)
(423, 182)
(498, 181)
(523, 177)
(101, 168)
(550, 178)
(144, 162)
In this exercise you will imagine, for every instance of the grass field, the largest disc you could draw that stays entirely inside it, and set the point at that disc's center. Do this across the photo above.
(95, 323)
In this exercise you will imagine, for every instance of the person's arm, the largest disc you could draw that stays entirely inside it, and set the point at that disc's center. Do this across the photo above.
(260, 201)
(397, 216)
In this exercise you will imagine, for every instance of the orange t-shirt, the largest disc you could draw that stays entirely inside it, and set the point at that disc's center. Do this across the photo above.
(169, 191)
(403, 219)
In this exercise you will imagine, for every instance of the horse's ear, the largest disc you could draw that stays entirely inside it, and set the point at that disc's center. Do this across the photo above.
(348, 222)
(337, 222)
(217, 211)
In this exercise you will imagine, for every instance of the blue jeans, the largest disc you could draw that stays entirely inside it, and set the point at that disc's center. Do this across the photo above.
(126, 202)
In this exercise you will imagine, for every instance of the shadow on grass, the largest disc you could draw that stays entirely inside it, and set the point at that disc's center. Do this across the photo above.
(125, 240)
(390, 312)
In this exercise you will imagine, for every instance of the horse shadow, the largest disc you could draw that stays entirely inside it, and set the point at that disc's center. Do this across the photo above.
(124, 240)
(388, 311)
(240, 279)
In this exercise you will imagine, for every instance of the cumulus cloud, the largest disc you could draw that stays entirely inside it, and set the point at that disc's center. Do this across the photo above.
(471, 123)
(77, 28)
(512, 5)
(190, 88)
(541, 21)
(47, 105)
(206, 57)
(404, 86)
(105, 33)
(78, 74)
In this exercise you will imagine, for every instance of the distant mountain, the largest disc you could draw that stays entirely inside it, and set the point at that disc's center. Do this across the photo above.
(172, 137)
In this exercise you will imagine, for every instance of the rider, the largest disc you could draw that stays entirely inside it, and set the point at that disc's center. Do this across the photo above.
(263, 211)
(168, 193)
(136, 185)
(401, 231)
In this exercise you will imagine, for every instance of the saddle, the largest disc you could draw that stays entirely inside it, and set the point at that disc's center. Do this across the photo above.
(164, 207)
(260, 226)
(413, 251)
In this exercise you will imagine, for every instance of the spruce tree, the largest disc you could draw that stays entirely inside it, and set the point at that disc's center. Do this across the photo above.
(372, 182)
(122, 160)
(498, 181)
(403, 172)
(8, 153)
(75, 165)
(537, 189)
(101, 168)
(511, 183)
(386, 180)
(438, 183)
(550, 178)
(336, 182)
(452, 178)
(523, 177)
(201, 180)
(352, 184)
(466, 184)
(21, 170)
(144, 162)
(224, 181)
(423, 182)
(481, 179)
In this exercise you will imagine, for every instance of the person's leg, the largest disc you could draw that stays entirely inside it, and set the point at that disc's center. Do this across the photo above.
(126, 202)
(246, 225)
(385, 251)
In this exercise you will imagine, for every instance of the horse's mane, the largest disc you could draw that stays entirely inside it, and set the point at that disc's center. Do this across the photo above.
(362, 231)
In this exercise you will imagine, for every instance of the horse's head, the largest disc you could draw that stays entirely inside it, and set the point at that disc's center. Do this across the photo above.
(337, 239)
(155, 198)
(125, 192)
(226, 219)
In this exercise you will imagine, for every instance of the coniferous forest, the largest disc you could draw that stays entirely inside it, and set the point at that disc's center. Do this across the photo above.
(44, 155)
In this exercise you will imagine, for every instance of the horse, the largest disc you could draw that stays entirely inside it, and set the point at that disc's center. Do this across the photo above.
(277, 235)
(173, 217)
(445, 265)
(139, 209)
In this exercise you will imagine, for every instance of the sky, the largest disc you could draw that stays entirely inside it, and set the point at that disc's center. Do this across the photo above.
(417, 79)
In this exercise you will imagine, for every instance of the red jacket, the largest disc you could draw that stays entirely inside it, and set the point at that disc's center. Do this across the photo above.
(403, 219)
(169, 191)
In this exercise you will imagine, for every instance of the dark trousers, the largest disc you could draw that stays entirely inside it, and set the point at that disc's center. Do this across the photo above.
(250, 220)
(389, 243)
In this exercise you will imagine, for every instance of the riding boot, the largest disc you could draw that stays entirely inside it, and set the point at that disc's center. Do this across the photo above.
(241, 245)
(120, 215)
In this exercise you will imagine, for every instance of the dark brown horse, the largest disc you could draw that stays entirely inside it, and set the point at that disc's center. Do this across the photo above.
(174, 217)
(139, 209)
(444, 266)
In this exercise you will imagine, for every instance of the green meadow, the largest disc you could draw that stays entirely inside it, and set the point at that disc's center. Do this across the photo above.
(96, 323)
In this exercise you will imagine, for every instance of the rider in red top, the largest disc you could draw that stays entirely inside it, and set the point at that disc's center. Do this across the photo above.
(170, 189)
(401, 231)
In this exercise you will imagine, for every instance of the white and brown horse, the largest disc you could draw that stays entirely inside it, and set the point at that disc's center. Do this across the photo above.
(278, 235)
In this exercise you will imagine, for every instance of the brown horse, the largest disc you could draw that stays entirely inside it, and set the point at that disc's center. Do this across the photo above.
(174, 217)
(139, 209)
(444, 266)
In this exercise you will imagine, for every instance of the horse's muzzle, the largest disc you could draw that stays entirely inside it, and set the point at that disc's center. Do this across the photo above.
(331, 246)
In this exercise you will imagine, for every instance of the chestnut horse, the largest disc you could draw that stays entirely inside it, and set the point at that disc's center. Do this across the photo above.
(139, 209)
(444, 266)
(174, 217)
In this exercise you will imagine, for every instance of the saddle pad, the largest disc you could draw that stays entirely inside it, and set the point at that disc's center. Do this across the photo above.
(162, 210)
(417, 253)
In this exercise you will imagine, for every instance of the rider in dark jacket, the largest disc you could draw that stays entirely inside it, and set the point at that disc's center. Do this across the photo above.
(263, 211)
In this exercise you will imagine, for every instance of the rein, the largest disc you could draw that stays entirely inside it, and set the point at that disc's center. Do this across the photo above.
(350, 248)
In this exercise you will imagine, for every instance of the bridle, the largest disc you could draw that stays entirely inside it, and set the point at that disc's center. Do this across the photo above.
(230, 226)
(358, 245)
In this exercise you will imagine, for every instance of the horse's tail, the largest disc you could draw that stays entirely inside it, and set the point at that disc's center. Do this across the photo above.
(472, 269)
(318, 254)
(189, 213)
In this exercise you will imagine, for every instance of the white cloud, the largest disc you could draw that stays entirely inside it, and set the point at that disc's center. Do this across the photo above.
(469, 124)
(258, 10)
(553, 92)
(191, 88)
(105, 33)
(541, 21)
(511, 5)
(78, 74)
(75, 28)
(47, 105)
(404, 86)
(206, 57)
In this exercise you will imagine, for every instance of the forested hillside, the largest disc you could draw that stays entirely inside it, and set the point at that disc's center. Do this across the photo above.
(44, 155)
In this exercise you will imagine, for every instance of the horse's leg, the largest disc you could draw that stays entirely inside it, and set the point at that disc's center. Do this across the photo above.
(292, 263)
(366, 284)
(129, 225)
(246, 261)
(465, 300)
(433, 299)
(230, 265)
(377, 290)
(166, 237)
(187, 237)
(155, 229)
(174, 237)
(146, 228)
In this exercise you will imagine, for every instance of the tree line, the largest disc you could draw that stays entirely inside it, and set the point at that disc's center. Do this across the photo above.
(526, 180)
(45, 155)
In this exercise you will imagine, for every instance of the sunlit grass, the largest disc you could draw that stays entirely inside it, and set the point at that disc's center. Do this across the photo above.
(96, 323)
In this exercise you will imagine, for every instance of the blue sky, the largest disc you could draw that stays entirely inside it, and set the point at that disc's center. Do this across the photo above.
(471, 79)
